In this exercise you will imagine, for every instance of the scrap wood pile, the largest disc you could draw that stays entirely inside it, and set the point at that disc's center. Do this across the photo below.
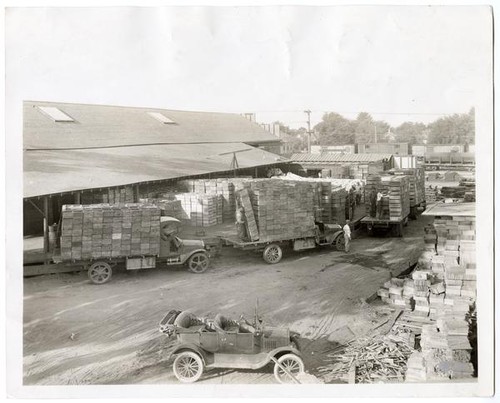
(369, 360)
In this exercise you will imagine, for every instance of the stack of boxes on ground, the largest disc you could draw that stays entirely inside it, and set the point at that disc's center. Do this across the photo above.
(105, 231)
(439, 300)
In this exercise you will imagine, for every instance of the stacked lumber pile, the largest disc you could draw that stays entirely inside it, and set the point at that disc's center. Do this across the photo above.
(453, 192)
(106, 231)
(281, 209)
(110, 196)
(368, 360)
(470, 189)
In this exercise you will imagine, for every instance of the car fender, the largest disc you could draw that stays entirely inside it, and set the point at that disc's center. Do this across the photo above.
(186, 258)
(191, 347)
(336, 235)
(284, 350)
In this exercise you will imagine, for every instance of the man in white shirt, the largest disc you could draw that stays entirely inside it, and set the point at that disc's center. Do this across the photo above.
(347, 235)
(379, 204)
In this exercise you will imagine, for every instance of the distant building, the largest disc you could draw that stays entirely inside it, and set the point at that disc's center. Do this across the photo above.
(342, 165)
(383, 148)
(423, 149)
(348, 148)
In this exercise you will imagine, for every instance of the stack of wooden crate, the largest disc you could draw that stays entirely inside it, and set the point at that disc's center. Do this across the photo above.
(168, 207)
(282, 209)
(106, 231)
(223, 188)
(110, 195)
(198, 210)
(416, 177)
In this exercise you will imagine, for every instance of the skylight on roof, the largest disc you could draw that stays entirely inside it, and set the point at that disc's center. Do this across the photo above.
(161, 118)
(55, 114)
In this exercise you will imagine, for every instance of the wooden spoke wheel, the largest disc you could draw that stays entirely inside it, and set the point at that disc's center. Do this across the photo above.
(293, 365)
(198, 263)
(340, 242)
(272, 253)
(188, 367)
(100, 272)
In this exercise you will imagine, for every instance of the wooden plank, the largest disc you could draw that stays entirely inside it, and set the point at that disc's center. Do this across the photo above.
(36, 270)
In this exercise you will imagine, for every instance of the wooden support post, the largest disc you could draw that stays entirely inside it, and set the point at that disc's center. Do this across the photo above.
(78, 197)
(256, 172)
(46, 224)
(136, 193)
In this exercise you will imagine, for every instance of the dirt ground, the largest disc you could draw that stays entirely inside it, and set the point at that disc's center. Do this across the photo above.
(79, 333)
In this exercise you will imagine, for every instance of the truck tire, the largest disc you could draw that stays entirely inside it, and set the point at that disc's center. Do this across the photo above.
(100, 272)
(198, 262)
(272, 253)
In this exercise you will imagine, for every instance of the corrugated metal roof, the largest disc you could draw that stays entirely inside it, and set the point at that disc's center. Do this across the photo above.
(452, 209)
(110, 126)
(58, 171)
(338, 157)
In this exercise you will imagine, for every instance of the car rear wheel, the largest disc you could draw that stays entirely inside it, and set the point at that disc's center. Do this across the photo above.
(272, 253)
(293, 365)
(100, 272)
(188, 367)
(198, 263)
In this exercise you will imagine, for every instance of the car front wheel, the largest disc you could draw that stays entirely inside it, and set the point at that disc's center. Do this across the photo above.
(188, 367)
(293, 365)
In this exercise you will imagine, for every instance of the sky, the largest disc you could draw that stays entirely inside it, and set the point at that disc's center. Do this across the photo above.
(397, 63)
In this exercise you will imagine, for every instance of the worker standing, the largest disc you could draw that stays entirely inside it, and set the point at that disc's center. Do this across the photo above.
(347, 235)
(240, 224)
(373, 203)
(379, 204)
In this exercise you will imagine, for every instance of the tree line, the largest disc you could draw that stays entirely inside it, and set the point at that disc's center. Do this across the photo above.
(335, 129)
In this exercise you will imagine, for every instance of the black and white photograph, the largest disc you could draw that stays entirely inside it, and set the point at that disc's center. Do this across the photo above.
(249, 200)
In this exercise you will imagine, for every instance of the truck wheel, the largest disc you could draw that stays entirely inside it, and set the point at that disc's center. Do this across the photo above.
(100, 272)
(198, 263)
(272, 253)
(188, 367)
(340, 242)
(292, 363)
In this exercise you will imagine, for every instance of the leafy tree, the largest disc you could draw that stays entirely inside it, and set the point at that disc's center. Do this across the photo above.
(453, 129)
(335, 130)
(410, 132)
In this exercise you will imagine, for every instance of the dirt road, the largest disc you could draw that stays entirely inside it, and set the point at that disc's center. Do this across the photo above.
(79, 333)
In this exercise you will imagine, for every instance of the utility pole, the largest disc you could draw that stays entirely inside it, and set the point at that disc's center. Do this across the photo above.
(308, 112)
(376, 133)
